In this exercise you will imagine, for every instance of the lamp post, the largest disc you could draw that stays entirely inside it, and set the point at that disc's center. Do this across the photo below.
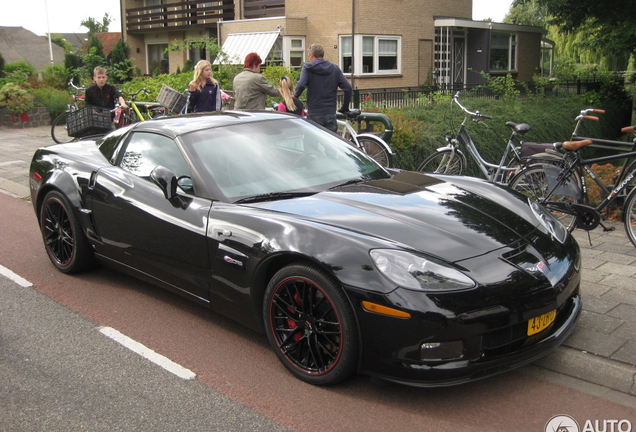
(48, 29)
(353, 38)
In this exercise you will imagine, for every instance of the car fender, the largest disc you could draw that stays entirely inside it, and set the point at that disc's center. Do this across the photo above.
(65, 183)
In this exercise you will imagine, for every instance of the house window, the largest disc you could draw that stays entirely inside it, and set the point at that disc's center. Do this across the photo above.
(158, 59)
(503, 52)
(196, 54)
(295, 52)
(547, 58)
(374, 55)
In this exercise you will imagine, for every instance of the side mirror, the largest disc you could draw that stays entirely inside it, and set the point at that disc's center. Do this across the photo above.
(166, 180)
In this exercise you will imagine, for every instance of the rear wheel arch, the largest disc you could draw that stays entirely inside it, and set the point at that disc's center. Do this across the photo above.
(62, 183)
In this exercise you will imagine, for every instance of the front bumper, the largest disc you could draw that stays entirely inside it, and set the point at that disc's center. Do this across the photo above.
(492, 339)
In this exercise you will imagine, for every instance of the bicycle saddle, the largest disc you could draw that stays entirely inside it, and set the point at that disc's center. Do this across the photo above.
(352, 114)
(519, 128)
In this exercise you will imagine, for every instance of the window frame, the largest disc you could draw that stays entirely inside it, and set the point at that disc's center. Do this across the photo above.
(511, 52)
(359, 56)
(288, 49)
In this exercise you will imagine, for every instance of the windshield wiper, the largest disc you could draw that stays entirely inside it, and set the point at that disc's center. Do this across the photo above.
(273, 196)
(348, 182)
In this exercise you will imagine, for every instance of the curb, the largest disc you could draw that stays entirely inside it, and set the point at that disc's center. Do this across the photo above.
(14, 188)
(609, 374)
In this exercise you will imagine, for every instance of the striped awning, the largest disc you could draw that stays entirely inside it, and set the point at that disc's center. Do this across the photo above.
(238, 45)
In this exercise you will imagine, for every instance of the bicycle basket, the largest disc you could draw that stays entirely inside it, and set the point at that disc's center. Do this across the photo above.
(90, 120)
(171, 99)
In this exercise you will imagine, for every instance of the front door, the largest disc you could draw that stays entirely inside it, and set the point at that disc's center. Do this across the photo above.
(459, 63)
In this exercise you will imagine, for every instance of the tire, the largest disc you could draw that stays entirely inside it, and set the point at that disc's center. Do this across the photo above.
(132, 115)
(444, 161)
(629, 216)
(376, 149)
(64, 241)
(310, 325)
(532, 182)
(59, 131)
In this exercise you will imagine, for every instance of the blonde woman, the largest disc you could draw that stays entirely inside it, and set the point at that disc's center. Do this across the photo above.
(205, 94)
(290, 103)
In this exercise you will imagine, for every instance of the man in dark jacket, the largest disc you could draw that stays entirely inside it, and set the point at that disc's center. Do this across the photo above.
(322, 79)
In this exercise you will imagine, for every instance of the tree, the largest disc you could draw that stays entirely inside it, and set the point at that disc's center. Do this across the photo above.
(120, 64)
(59, 40)
(94, 42)
(96, 27)
(527, 13)
(610, 27)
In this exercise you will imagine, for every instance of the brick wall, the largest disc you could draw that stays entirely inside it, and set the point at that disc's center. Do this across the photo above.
(413, 20)
(35, 117)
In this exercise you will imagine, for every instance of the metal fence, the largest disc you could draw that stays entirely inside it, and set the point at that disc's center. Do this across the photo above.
(397, 97)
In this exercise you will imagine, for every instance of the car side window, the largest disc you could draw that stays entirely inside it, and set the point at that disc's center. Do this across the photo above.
(144, 151)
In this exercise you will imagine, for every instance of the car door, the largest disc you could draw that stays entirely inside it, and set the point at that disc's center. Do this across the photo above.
(140, 228)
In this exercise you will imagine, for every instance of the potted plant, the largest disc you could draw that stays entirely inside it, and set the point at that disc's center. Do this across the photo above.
(16, 100)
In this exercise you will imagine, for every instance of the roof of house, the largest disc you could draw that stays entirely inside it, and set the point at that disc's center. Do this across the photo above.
(77, 40)
(108, 40)
(18, 43)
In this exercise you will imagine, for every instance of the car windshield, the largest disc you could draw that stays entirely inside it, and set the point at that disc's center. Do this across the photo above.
(269, 158)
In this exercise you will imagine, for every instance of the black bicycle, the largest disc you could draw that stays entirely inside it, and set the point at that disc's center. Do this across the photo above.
(563, 188)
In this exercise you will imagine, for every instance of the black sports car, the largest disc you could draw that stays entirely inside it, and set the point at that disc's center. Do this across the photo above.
(346, 266)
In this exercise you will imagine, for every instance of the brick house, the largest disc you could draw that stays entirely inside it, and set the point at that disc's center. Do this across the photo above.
(395, 43)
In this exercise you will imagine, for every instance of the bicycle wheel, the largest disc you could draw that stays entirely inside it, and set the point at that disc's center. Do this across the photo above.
(444, 161)
(59, 131)
(533, 182)
(629, 216)
(376, 149)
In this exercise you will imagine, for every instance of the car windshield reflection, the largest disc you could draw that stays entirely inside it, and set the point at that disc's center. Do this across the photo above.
(267, 158)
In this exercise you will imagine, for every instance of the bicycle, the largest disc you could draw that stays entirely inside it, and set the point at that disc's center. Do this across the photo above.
(450, 159)
(372, 145)
(140, 111)
(59, 128)
(563, 189)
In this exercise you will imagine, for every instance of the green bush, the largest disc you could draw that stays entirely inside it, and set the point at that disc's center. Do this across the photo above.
(15, 99)
(19, 67)
(54, 99)
(419, 130)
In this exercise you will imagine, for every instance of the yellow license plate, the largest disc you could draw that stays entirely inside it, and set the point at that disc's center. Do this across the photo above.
(540, 323)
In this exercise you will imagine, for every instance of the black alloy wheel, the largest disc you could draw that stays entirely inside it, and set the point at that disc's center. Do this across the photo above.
(311, 325)
(64, 241)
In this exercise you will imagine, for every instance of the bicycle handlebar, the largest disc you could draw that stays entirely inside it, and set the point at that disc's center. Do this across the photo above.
(467, 111)
(134, 95)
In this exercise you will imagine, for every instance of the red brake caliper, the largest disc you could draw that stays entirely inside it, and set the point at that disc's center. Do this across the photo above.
(290, 322)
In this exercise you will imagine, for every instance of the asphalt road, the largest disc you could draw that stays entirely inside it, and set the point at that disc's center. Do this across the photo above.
(59, 373)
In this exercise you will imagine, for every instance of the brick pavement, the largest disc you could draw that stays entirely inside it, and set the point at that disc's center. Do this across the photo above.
(601, 352)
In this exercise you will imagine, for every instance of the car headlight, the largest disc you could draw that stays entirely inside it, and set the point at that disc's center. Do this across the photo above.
(418, 273)
(548, 220)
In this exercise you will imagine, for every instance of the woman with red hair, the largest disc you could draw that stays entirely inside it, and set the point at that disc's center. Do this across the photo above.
(250, 87)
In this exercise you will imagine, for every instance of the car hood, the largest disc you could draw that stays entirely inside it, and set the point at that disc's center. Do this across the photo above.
(456, 217)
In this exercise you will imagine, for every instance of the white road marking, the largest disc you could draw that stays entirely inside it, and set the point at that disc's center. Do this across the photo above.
(14, 277)
(147, 353)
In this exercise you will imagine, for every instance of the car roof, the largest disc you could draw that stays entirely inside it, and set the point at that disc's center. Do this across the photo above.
(183, 124)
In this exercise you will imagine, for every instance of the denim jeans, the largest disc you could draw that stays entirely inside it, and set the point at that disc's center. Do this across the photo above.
(326, 120)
